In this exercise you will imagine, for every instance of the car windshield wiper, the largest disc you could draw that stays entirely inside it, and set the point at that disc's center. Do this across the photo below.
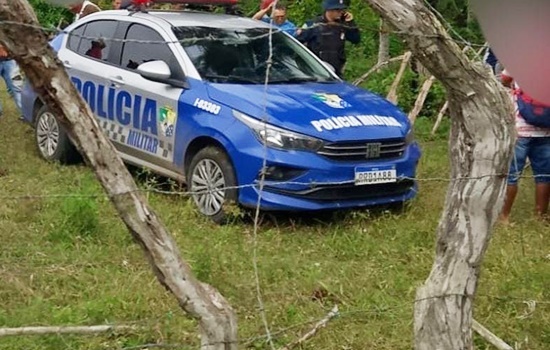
(294, 80)
(231, 78)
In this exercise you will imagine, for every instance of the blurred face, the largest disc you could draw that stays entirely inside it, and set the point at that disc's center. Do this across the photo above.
(116, 4)
(333, 15)
(279, 16)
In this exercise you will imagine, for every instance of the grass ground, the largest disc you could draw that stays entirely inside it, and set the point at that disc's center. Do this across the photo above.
(68, 260)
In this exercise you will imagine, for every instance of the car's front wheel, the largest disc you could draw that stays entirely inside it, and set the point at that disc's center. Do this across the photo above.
(212, 183)
(51, 139)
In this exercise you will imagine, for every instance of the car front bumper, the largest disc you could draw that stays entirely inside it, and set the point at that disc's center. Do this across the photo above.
(321, 184)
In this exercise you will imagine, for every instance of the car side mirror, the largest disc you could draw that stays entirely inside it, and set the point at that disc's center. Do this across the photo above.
(160, 72)
(155, 70)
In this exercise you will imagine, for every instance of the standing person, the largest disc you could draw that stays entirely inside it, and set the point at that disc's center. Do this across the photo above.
(121, 4)
(83, 9)
(8, 69)
(533, 143)
(327, 34)
(278, 13)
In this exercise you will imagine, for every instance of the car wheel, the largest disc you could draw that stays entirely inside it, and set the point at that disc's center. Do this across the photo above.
(51, 139)
(211, 181)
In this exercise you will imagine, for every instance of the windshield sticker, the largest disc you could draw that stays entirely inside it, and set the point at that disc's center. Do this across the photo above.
(207, 106)
(335, 123)
(331, 100)
(167, 119)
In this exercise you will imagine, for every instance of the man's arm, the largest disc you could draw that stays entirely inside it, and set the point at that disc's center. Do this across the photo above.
(305, 34)
(260, 14)
(351, 30)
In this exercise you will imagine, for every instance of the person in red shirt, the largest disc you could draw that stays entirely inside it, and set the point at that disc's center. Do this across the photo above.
(96, 50)
(533, 143)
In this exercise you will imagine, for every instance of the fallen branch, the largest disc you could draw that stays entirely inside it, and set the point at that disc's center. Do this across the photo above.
(321, 324)
(421, 98)
(375, 68)
(392, 95)
(440, 117)
(490, 337)
(64, 330)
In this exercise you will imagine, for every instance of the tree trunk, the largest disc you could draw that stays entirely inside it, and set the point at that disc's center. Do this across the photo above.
(480, 149)
(383, 42)
(29, 47)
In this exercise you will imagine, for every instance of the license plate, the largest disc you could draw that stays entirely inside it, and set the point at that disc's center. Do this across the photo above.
(369, 176)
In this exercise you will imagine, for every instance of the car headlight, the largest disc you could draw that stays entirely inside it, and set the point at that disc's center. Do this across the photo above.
(280, 138)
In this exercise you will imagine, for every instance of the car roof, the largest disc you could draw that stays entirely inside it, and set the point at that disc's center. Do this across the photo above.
(192, 19)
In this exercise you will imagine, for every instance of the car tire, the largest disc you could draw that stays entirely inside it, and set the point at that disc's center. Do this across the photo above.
(52, 140)
(211, 171)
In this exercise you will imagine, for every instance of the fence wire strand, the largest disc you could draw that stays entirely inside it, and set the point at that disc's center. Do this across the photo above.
(270, 31)
(261, 186)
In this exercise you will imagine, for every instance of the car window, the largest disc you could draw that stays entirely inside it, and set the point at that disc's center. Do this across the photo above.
(144, 44)
(95, 39)
(75, 37)
(230, 55)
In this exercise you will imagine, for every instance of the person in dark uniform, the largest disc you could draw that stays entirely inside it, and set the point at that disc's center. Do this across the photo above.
(326, 35)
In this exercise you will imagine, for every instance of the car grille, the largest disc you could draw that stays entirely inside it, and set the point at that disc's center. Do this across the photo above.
(357, 151)
(349, 192)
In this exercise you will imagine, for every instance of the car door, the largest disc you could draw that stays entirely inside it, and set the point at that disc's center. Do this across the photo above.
(142, 114)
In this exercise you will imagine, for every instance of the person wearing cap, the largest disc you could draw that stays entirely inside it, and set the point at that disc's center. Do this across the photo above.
(83, 9)
(327, 34)
(278, 14)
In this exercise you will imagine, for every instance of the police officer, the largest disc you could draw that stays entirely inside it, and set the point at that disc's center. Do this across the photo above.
(326, 35)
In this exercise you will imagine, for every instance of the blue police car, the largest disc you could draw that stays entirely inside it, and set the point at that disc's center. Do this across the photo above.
(184, 94)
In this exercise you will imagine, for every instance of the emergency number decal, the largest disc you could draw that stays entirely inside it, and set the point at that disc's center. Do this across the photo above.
(207, 106)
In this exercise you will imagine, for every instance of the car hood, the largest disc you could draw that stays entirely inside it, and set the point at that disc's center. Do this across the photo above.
(332, 111)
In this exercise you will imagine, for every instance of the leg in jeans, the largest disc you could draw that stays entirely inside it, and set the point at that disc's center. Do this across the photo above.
(2, 69)
(516, 168)
(8, 71)
(539, 154)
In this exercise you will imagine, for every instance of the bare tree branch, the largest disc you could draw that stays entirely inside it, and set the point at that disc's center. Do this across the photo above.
(375, 68)
(321, 324)
(490, 337)
(65, 330)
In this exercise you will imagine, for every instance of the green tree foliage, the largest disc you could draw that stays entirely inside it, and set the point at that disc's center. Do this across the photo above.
(50, 16)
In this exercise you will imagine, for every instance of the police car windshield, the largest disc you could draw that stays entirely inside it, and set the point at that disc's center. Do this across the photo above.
(229, 56)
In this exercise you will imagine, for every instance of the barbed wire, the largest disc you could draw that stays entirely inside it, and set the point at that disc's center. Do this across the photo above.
(265, 117)
(272, 184)
(57, 31)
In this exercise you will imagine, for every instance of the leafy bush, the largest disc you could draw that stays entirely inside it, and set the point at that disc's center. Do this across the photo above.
(50, 16)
